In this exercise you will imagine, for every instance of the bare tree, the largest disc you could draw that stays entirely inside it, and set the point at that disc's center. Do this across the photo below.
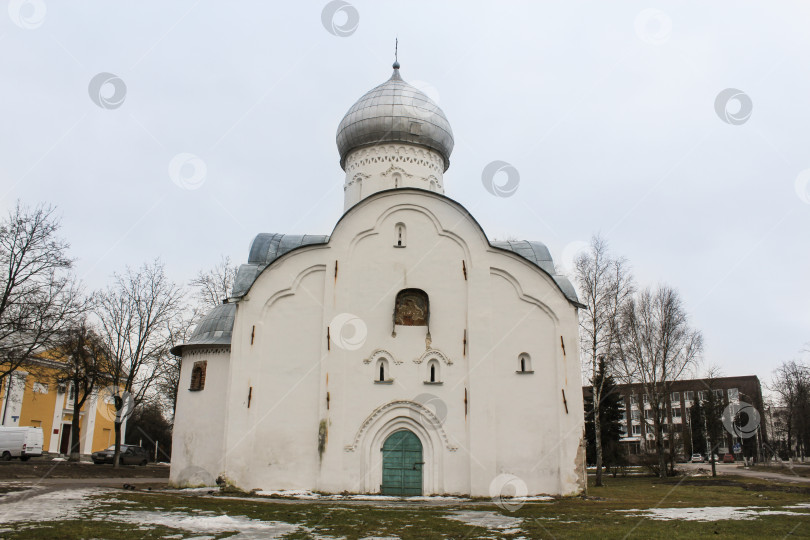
(791, 384)
(214, 285)
(39, 296)
(135, 313)
(656, 346)
(83, 366)
(209, 288)
(604, 284)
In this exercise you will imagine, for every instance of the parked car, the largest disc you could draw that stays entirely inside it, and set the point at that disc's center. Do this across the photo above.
(709, 459)
(697, 458)
(728, 458)
(130, 455)
(20, 442)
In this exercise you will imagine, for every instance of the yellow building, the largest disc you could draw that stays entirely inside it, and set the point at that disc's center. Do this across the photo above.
(32, 396)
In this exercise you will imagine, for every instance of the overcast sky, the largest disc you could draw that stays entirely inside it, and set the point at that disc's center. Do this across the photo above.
(606, 109)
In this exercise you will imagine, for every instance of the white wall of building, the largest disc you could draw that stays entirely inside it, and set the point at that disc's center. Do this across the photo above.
(513, 423)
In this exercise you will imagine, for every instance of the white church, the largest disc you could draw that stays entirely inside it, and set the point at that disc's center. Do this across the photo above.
(404, 354)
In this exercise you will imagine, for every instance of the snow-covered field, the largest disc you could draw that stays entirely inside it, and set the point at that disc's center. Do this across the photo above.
(31, 507)
(709, 513)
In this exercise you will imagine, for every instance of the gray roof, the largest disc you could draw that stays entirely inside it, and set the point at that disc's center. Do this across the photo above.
(395, 111)
(266, 248)
(216, 328)
(538, 253)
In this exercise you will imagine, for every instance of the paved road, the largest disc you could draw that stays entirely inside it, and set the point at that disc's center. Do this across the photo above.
(738, 470)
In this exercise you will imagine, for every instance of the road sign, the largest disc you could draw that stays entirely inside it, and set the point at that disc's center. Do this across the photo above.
(737, 448)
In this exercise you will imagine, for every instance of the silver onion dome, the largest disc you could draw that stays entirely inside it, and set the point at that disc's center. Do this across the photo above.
(395, 111)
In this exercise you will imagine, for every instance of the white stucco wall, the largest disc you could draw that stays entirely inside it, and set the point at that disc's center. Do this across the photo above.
(198, 435)
(389, 166)
(513, 423)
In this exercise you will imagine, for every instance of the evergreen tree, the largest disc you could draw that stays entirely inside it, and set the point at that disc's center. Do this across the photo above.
(697, 420)
(610, 415)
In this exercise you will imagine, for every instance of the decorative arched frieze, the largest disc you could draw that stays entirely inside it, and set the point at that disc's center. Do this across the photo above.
(358, 177)
(293, 288)
(526, 297)
(433, 353)
(390, 153)
(394, 169)
(410, 409)
(441, 231)
(381, 353)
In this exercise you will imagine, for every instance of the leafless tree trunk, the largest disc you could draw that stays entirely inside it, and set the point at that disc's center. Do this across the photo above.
(83, 365)
(39, 296)
(604, 285)
(135, 314)
(656, 346)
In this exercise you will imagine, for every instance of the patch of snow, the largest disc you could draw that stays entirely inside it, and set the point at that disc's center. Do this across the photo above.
(292, 493)
(50, 506)
(212, 524)
(59, 459)
(706, 513)
(799, 505)
(434, 498)
(489, 520)
(198, 490)
(533, 498)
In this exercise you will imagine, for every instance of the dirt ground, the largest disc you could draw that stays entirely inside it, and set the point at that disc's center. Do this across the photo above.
(44, 467)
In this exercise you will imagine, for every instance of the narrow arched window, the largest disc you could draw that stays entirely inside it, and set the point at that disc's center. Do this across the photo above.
(525, 363)
(399, 235)
(412, 308)
(382, 371)
(397, 179)
(433, 372)
(198, 376)
(432, 185)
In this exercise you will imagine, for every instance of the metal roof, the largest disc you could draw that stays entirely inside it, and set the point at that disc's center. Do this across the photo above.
(216, 328)
(266, 248)
(538, 253)
(395, 111)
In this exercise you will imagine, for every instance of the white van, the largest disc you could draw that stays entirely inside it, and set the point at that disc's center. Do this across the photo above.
(21, 442)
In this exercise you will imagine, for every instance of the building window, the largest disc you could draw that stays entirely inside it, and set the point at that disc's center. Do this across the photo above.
(646, 398)
(718, 394)
(689, 395)
(525, 363)
(635, 415)
(633, 399)
(399, 235)
(198, 376)
(383, 375)
(40, 388)
(412, 308)
(397, 180)
(702, 395)
(636, 430)
(733, 394)
(676, 397)
(433, 373)
(676, 412)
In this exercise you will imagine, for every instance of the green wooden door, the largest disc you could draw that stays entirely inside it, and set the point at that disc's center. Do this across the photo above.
(402, 464)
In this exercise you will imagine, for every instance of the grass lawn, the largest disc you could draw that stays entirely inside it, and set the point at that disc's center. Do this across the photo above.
(765, 507)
